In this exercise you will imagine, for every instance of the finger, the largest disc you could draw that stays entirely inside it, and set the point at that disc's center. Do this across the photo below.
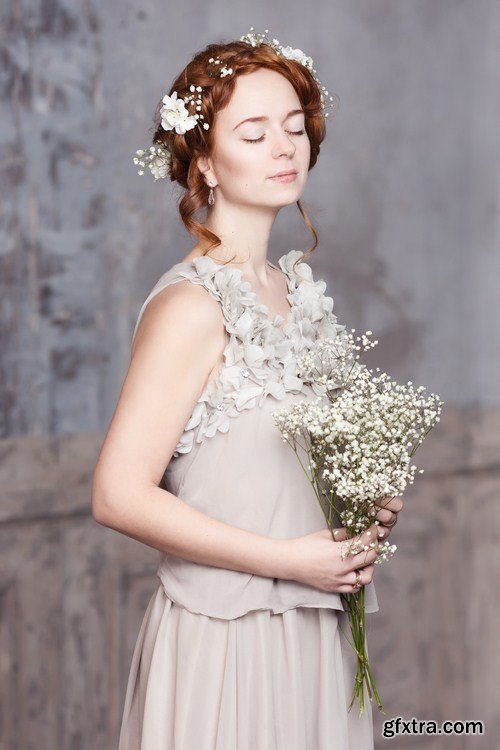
(367, 533)
(383, 532)
(361, 559)
(357, 547)
(340, 534)
(392, 522)
(394, 503)
(349, 587)
(386, 516)
(364, 577)
(366, 536)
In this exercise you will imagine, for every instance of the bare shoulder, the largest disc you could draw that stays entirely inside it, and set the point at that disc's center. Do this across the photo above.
(181, 310)
(178, 344)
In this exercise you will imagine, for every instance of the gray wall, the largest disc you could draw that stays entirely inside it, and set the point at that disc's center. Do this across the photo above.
(406, 199)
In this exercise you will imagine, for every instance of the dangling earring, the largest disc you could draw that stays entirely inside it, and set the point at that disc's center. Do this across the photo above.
(211, 199)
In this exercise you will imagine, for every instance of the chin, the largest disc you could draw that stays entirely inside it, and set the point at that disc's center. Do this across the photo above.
(282, 203)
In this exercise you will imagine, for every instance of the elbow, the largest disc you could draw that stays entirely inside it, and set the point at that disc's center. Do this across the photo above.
(99, 504)
(114, 501)
(98, 510)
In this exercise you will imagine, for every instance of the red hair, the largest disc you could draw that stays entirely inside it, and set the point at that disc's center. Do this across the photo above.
(217, 91)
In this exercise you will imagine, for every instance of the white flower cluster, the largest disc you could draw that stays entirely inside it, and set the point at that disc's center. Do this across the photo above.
(174, 114)
(156, 158)
(331, 362)
(384, 549)
(360, 440)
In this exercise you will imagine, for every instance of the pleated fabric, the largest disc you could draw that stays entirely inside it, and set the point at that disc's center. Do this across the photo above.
(262, 681)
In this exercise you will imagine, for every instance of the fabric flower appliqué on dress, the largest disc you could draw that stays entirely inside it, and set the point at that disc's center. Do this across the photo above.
(259, 359)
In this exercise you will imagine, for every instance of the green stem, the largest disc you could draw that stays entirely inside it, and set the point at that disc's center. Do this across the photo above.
(364, 676)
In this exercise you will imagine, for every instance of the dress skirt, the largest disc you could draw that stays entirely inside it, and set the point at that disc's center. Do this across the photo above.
(262, 681)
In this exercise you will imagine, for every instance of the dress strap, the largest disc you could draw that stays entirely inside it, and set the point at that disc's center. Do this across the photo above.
(273, 265)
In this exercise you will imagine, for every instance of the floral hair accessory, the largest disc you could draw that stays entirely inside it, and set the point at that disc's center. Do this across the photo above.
(175, 115)
(156, 158)
(257, 38)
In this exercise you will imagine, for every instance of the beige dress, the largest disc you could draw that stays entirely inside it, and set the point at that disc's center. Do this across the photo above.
(226, 660)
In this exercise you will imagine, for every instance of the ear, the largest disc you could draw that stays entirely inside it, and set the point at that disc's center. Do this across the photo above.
(205, 166)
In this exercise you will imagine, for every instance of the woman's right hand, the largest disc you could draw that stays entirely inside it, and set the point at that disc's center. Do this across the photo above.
(316, 560)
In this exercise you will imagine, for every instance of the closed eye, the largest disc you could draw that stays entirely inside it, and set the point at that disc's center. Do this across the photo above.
(258, 140)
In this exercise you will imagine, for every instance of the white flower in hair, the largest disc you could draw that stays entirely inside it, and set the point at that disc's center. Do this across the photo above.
(159, 168)
(156, 158)
(298, 55)
(174, 115)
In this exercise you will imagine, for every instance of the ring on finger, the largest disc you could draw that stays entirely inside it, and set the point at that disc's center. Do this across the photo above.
(358, 583)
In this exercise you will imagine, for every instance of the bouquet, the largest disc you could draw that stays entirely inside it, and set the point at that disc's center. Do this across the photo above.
(357, 437)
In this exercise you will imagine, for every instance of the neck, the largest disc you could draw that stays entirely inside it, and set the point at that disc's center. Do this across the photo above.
(244, 232)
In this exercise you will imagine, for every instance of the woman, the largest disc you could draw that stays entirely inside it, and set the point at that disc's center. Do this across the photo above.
(240, 647)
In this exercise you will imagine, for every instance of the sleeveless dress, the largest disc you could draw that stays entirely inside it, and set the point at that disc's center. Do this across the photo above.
(227, 660)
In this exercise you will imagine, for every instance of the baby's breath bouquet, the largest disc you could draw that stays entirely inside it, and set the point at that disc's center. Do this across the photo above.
(358, 437)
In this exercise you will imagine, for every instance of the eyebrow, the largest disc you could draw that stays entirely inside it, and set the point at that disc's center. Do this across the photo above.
(262, 118)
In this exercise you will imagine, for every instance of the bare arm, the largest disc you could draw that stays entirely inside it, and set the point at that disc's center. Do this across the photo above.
(179, 340)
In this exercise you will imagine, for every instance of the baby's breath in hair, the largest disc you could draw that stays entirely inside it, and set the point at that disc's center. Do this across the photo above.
(156, 158)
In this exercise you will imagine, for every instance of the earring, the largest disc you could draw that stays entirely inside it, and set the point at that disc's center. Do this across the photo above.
(211, 199)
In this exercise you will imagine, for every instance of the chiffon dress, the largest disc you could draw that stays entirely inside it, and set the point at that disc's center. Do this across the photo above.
(227, 660)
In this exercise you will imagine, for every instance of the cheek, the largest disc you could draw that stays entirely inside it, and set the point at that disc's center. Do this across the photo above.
(243, 161)
(305, 151)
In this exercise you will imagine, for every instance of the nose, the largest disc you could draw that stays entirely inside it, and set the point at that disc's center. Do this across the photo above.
(284, 146)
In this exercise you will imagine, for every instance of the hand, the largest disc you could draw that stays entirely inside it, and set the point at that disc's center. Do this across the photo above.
(316, 560)
(388, 516)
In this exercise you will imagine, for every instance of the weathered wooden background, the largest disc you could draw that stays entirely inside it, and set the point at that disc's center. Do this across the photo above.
(406, 199)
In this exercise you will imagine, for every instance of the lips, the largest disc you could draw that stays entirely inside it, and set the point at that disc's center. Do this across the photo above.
(282, 174)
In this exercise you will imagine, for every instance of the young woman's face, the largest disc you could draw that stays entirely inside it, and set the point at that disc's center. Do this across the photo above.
(248, 152)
